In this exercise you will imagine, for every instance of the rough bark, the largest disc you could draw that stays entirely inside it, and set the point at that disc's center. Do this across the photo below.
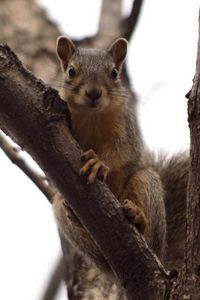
(192, 253)
(188, 283)
(35, 117)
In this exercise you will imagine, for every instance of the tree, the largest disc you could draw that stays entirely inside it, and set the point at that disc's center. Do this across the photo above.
(50, 115)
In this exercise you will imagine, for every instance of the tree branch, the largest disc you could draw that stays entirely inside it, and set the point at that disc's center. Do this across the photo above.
(192, 249)
(14, 155)
(131, 21)
(33, 43)
(54, 281)
(110, 14)
(34, 116)
(188, 282)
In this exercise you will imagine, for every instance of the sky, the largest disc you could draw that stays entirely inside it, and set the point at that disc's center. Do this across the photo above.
(161, 62)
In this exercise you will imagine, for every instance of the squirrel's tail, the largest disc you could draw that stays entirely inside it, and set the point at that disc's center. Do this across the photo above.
(174, 175)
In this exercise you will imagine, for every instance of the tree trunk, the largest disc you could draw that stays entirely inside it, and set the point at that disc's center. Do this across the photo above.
(188, 284)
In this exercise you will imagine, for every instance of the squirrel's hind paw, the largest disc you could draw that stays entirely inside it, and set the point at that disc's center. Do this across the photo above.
(135, 215)
(93, 167)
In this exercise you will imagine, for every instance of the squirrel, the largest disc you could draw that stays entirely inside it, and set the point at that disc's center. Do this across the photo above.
(104, 122)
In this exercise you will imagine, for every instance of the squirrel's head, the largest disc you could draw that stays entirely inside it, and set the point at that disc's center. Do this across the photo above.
(92, 76)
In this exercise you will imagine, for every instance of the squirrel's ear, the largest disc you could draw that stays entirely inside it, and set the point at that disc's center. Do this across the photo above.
(65, 48)
(118, 50)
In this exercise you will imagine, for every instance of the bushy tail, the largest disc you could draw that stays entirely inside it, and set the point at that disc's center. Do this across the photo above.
(174, 175)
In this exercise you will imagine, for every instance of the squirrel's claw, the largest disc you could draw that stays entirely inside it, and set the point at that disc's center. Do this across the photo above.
(93, 167)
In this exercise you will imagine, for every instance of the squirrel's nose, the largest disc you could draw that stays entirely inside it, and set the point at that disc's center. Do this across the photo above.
(93, 94)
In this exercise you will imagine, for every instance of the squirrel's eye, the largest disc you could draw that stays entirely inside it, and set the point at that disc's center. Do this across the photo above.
(71, 71)
(114, 73)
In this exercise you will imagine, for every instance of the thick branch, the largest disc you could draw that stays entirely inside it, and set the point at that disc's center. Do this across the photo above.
(110, 16)
(34, 116)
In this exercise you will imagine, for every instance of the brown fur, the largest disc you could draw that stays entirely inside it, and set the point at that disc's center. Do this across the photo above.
(174, 175)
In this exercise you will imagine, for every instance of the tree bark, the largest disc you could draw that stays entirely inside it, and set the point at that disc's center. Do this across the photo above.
(188, 283)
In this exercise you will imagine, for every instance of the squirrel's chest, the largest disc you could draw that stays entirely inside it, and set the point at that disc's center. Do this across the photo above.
(90, 139)
(95, 134)
(104, 139)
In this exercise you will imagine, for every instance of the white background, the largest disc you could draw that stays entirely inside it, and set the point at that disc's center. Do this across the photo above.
(161, 63)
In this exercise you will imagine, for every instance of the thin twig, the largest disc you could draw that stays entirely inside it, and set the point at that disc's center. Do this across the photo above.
(54, 281)
(13, 154)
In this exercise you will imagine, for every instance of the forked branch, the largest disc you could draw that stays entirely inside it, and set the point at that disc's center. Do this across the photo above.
(26, 103)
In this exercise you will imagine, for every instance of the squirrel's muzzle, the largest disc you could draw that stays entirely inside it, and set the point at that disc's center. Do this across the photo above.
(93, 95)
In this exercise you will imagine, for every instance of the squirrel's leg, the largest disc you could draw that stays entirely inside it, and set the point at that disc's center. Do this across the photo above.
(143, 204)
(93, 167)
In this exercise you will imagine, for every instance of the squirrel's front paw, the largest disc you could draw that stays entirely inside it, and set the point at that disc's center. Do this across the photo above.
(93, 167)
(135, 215)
